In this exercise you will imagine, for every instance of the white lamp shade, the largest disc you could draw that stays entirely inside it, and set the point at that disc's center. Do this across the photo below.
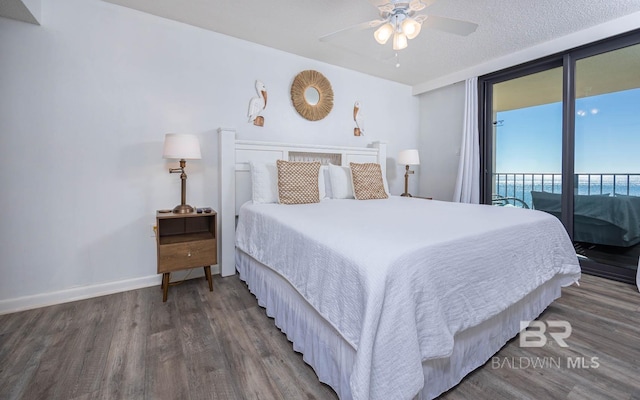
(399, 41)
(181, 146)
(383, 33)
(411, 28)
(409, 157)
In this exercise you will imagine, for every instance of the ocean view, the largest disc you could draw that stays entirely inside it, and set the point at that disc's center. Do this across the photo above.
(520, 185)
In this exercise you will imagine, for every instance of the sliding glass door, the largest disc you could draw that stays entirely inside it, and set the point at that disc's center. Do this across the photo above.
(562, 135)
(606, 212)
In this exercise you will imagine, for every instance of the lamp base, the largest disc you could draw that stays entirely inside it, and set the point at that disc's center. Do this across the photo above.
(406, 195)
(183, 209)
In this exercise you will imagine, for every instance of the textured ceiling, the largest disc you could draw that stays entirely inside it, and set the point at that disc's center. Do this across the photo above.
(505, 26)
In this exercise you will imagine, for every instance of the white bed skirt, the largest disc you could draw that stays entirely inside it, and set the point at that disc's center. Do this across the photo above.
(332, 357)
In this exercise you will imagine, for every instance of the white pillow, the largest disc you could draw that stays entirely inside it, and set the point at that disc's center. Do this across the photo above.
(264, 183)
(325, 183)
(341, 183)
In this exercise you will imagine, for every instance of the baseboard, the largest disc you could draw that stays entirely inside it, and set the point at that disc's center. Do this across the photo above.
(85, 292)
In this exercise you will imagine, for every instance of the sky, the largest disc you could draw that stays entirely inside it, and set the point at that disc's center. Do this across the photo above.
(607, 136)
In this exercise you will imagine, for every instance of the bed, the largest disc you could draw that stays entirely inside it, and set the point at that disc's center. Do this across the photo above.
(599, 218)
(405, 307)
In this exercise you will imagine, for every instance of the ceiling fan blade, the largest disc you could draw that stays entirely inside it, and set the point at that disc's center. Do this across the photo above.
(455, 26)
(412, 3)
(379, 3)
(418, 5)
(358, 27)
(385, 9)
(428, 2)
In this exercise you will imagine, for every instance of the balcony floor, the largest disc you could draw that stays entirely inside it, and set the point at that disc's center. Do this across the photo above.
(624, 257)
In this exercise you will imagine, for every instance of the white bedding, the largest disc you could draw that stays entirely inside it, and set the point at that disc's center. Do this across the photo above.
(398, 278)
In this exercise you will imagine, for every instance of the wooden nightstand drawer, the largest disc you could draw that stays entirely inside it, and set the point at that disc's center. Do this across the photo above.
(178, 256)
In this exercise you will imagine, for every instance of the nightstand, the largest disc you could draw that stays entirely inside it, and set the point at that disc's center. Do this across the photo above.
(185, 241)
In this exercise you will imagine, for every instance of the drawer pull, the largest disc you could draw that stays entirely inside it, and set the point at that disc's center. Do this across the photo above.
(189, 254)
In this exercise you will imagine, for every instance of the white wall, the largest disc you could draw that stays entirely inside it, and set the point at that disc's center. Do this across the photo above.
(85, 101)
(441, 123)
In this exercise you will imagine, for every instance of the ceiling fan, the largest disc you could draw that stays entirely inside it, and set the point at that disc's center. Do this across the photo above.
(400, 19)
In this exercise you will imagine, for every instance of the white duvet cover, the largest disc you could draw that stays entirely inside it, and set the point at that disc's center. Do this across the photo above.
(398, 278)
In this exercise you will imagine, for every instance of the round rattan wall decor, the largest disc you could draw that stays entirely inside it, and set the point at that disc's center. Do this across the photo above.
(312, 95)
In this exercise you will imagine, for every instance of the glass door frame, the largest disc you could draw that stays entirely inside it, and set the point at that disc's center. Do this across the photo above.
(567, 60)
(485, 115)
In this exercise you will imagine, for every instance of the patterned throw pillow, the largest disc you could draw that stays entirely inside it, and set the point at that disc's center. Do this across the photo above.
(298, 182)
(367, 181)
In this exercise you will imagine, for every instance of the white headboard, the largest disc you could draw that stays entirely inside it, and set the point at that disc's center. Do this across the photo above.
(235, 177)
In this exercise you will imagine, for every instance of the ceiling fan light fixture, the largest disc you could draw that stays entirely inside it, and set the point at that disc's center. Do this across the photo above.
(411, 28)
(383, 33)
(399, 41)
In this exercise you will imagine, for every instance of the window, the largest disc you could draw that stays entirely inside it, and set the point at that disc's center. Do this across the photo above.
(561, 135)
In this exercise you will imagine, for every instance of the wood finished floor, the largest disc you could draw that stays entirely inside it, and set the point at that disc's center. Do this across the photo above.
(221, 345)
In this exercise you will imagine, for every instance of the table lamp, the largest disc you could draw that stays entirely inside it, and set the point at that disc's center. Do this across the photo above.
(181, 147)
(408, 157)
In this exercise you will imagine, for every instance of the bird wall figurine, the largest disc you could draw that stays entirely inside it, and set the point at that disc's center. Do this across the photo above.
(258, 104)
(359, 120)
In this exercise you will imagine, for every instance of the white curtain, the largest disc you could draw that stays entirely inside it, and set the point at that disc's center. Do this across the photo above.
(638, 275)
(468, 182)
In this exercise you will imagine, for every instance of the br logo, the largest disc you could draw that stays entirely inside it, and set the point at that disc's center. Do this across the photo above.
(536, 334)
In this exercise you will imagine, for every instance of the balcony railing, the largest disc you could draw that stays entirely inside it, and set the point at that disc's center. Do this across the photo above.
(517, 187)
